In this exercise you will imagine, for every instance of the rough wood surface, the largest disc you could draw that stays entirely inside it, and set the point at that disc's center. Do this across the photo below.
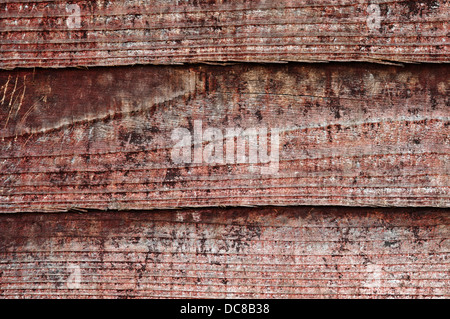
(302, 252)
(123, 32)
(348, 135)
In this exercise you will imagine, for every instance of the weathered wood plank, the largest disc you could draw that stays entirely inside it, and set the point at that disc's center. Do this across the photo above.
(93, 33)
(301, 252)
(104, 138)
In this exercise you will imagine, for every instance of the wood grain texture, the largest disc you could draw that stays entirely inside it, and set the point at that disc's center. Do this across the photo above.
(105, 33)
(272, 252)
(360, 135)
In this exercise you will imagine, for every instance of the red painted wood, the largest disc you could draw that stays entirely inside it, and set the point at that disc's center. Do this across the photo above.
(353, 135)
(302, 252)
(92, 33)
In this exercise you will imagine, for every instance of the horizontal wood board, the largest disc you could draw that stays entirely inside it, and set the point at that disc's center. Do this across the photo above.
(352, 135)
(128, 32)
(271, 252)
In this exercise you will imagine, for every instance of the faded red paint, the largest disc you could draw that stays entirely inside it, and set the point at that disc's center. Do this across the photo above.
(349, 135)
(303, 252)
(46, 33)
(352, 135)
